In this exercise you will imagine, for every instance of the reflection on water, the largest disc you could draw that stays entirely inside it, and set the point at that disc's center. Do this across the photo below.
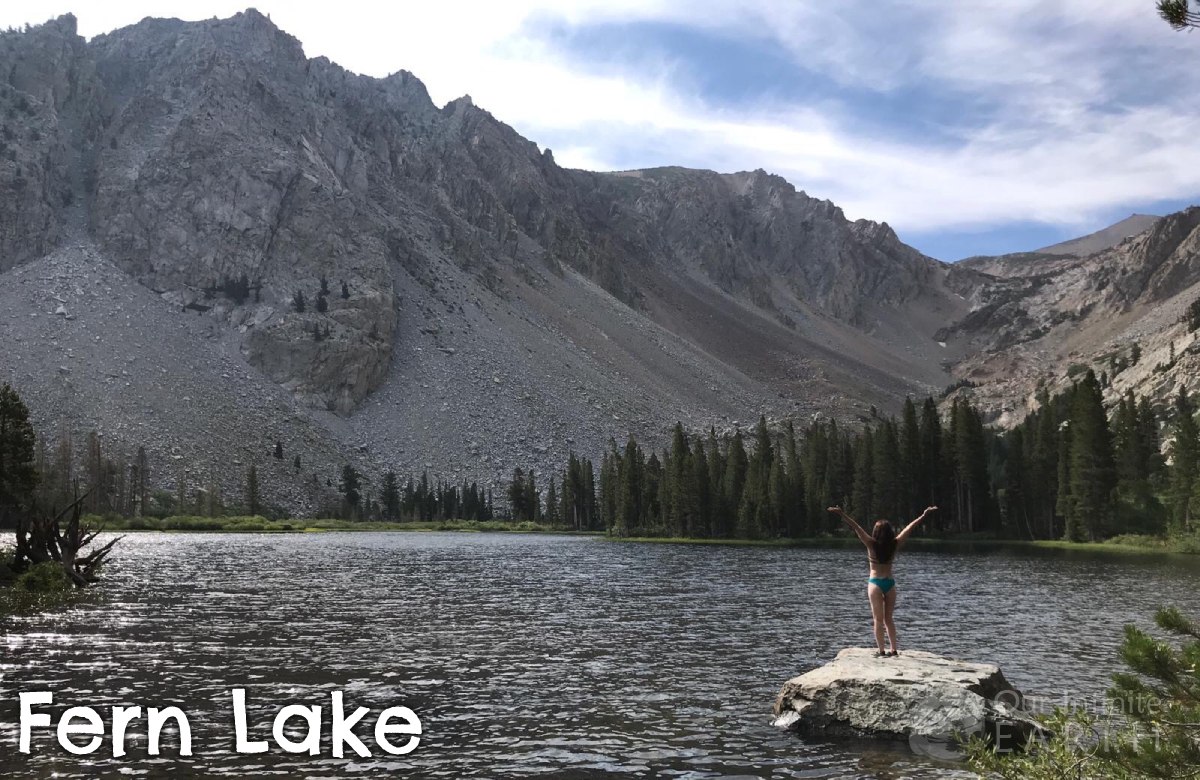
(542, 656)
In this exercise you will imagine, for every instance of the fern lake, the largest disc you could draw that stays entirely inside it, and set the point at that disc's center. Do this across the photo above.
(543, 656)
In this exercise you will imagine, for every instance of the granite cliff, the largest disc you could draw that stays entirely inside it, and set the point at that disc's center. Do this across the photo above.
(423, 288)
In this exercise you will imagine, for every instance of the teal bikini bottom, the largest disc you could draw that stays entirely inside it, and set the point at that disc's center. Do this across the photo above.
(883, 583)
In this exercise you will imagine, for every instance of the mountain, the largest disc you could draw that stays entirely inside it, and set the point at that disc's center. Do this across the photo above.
(469, 305)
(210, 244)
(1102, 239)
(1048, 259)
(1067, 314)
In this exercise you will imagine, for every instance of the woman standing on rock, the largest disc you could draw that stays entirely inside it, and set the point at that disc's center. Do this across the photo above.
(882, 543)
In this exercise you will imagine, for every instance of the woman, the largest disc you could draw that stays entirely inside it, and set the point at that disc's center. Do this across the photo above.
(882, 544)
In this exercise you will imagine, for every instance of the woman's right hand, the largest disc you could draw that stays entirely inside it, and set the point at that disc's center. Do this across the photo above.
(835, 509)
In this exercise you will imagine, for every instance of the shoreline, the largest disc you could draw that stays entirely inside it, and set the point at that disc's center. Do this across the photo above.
(1152, 546)
(1144, 545)
(261, 525)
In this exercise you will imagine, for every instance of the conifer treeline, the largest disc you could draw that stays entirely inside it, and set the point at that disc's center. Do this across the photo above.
(570, 500)
(1072, 470)
(1067, 471)
(423, 501)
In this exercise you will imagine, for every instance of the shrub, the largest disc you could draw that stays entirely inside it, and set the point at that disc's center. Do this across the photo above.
(1155, 735)
(7, 575)
(47, 577)
(1193, 315)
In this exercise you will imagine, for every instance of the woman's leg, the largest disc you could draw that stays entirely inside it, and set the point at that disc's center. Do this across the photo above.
(889, 606)
(877, 599)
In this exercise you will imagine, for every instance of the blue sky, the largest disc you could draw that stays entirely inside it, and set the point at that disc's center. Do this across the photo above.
(972, 128)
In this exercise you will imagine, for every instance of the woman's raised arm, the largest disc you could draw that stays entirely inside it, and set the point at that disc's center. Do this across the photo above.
(863, 536)
(900, 537)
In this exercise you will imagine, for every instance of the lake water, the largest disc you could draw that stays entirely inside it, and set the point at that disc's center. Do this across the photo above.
(546, 656)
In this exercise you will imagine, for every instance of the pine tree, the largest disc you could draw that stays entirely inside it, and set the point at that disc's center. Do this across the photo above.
(630, 490)
(1092, 469)
(1149, 441)
(591, 514)
(279, 450)
(652, 488)
(862, 501)
(345, 291)
(213, 504)
(776, 500)
(517, 495)
(551, 515)
(389, 495)
(1156, 735)
(909, 467)
(968, 446)
(815, 467)
(1127, 445)
(610, 489)
(572, 489)
(298, 302)
(1016, 508)
(718, 505)
(1064, 504)
(753, 509)
(533, 499)
(350, 486)
(252, 490)
(702, 489)
(139, 483)
(681, 495)
(18, 477)
(793, 492)
(1044, 467)
(733, 483)
(1185, 463)
(885, 463)
(930, 473)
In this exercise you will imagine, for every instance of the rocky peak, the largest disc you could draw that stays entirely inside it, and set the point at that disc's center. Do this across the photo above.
(41, 61)
(876, 232)
(406, 92)
(254, 37)
(234, 177)
(459, 105)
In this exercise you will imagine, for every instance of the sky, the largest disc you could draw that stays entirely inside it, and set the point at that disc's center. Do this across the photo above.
(971, 128)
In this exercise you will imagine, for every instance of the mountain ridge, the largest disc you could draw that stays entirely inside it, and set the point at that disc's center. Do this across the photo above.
(1102, 239)
(469, 305)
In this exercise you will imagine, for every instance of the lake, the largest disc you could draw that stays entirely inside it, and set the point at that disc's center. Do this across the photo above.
(552, 656)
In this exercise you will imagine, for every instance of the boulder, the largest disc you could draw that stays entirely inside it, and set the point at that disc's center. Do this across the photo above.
(923, 698)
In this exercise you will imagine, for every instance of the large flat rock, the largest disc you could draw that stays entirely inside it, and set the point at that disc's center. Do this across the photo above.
(916, 696)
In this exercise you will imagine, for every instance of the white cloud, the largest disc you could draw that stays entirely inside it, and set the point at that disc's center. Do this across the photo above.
(1091, 104)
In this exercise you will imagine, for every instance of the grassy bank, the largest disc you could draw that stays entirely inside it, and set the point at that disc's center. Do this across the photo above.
(42, 588)
(257, 524)
(1126, 544)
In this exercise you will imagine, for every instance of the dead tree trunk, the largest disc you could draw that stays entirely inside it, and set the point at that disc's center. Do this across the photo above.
(43, 537)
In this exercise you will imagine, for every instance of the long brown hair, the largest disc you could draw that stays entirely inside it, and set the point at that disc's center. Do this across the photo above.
(883, 541)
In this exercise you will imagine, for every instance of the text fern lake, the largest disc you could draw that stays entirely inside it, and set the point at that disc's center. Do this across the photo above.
(312, 729)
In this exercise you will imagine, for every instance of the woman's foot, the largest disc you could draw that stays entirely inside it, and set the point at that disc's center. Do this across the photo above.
(893, 653)
(881, 653)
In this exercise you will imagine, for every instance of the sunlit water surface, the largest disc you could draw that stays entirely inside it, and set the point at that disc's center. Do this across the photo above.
(543, 656)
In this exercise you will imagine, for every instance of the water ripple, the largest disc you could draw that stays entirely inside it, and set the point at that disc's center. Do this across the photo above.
(534, 656)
